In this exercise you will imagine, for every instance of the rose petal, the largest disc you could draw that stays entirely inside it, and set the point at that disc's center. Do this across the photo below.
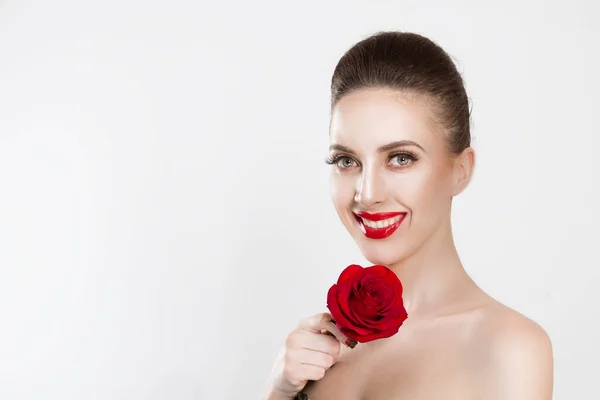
(355, 332)
(377, 335)
(389, 276)
(365, 310)
(349, 272)
(354, 335)
(396, 303)
(334, 308)
(345, 293)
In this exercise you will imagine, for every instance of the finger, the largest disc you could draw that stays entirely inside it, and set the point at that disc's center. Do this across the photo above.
(315, 323)
(333, 329)
(311, 372)
(323, 343)
(313, 357)
(337, 333)
(323, 321)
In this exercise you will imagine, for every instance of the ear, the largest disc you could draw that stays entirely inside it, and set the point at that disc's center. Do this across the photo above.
(464, 165)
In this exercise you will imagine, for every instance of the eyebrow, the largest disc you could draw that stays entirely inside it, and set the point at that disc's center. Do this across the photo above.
(381, 149)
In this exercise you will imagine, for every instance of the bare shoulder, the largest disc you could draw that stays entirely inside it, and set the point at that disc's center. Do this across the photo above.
(515, 358)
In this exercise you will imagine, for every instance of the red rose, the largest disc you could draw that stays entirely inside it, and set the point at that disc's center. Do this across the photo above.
(366, 303)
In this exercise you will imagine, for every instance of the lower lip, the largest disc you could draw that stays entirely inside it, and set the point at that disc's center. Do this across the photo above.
(379, 233)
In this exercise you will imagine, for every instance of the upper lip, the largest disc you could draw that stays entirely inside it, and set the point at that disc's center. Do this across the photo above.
(377, 216)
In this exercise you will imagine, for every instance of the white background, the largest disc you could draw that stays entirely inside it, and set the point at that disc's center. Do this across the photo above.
(165, 217)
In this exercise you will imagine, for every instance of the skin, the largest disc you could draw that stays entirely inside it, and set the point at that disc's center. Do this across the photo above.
(458, 342)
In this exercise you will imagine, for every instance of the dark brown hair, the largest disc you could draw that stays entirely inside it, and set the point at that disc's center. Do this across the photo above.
(412, 63)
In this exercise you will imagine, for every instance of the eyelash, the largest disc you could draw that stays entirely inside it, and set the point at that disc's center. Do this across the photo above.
(406, 153)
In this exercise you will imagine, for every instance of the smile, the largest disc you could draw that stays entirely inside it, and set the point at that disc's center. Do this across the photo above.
(379, 225)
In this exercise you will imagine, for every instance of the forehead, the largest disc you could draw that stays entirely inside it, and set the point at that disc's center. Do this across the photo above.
(369, 118)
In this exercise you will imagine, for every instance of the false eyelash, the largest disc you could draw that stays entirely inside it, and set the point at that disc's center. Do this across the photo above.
(331, 160)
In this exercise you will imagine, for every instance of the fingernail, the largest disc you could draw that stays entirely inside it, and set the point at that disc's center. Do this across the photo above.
(351, 343)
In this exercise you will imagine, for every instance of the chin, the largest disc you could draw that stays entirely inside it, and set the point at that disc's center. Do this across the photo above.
(381, 253)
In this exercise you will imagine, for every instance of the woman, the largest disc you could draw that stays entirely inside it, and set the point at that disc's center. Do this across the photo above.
(400, 143)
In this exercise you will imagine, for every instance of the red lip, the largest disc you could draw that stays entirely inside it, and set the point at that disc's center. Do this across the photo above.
(378, 233)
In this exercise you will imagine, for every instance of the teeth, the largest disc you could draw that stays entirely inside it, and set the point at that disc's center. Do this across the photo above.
(381, 224)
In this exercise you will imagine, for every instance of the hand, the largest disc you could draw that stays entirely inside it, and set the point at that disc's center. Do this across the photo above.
(309, 351)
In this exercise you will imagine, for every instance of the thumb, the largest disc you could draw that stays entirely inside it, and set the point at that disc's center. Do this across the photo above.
(324, 324)
(331, 329)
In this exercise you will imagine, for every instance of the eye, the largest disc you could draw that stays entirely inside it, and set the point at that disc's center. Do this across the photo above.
(402, 159)
(345, 162)
(342, 162)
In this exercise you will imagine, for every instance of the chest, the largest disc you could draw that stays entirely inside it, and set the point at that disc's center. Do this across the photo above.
(421, 367)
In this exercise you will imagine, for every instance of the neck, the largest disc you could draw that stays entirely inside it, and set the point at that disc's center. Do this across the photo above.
(433, 277)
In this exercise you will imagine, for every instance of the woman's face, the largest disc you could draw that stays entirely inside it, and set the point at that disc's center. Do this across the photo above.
(392, 178)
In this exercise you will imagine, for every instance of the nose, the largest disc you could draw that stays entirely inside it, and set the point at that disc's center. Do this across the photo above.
(370, 189)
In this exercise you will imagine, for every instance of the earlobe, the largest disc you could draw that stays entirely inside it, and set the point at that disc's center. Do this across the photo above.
(464, 165)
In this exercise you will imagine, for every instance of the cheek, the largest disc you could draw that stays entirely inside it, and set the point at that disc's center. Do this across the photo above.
(342, 189)
(421, 191)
